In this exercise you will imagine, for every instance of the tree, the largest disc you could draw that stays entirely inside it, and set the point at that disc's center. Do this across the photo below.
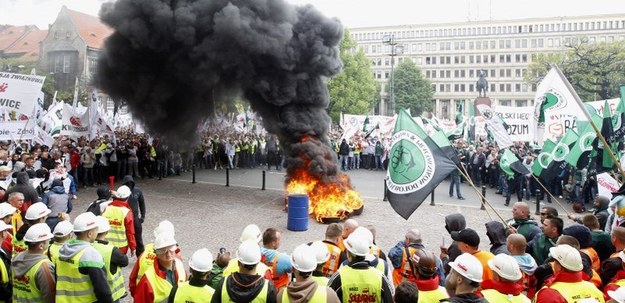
(594, 70)
(353, 90)
(21, 66)
(412, 91)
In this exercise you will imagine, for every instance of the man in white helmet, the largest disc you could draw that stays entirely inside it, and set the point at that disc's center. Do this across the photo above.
(505, 286)
(121, 219)
(568, 284)
(36, 213)
(33, 274)
(250, 232)
(464, 279)
(322, 254)
(167, 271)
(62, 233)
(196, 289)
(245, 285)
(304, 288)
(81, 276)
(358, 281)
(114, 259)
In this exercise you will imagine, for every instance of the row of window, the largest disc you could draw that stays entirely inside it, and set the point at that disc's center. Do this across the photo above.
(494, 30)
(61, 64)
(485, 44)
(447, 60)
(473, 73)
(501, 87)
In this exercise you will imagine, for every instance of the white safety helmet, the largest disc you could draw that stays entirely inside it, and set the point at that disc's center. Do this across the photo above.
(201, 260)
(251, 232)
(249, 252)
(468, 266)
(164, 240)
(85, 221)
(38, 233)
(357, 244)
(122, 192)
(37, 211)
(618, 294)
(365, 232)
(164, 226)
(103, 224)
(6, 209)
(63, 228)
(506, 267)
(4, 226)
(303, 258)
(567, 256)
(322, 254)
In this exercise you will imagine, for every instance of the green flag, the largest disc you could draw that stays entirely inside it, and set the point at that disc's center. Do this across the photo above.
(608, 134)
(511, 164)
(544, 158)
(471, 130)
(618, 118)
(417, 165)
(365, 124)
(579, 155)
(559, 153)
(457, 132)
(460, 113)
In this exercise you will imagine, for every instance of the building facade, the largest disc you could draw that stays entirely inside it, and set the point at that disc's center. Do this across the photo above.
(451, 55)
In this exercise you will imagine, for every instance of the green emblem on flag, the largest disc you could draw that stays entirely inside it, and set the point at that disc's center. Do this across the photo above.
(412, 163)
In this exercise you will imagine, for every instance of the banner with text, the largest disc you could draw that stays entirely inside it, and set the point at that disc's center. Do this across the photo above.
(16, 130)
(74, 124)
(19, 92)
(518, 120)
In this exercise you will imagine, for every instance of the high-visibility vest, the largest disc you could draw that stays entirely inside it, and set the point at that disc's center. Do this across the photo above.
(594, 258)
(53, 252)
(146, 261)
(576, 291)
(116, 281)
(18, 246)
(361, 285)
(332, 264)
(435, 295)
(4, 273)
(404, 270)
(187, 293)
(160, 286)
(374, 250)
(71, 285)
(16, 221)
(381, 266)
(260, 298)
(25, 287)
(320, 296)
(492, 295)
(117, 234)
(233, 266)
(321, 281)
(279, 281)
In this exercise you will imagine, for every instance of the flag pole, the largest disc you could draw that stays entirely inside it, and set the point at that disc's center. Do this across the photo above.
(551, 195)
(581, 105)
(465, 174)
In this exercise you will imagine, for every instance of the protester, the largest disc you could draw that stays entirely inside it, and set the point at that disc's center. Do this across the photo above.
(137, 205)
(464, 279)
(114, 259)
(196, 289)
(121, 219)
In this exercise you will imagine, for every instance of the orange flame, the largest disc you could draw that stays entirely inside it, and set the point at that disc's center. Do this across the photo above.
(327, 200)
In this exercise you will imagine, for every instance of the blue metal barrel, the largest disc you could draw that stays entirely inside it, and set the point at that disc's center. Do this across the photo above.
(298, 213)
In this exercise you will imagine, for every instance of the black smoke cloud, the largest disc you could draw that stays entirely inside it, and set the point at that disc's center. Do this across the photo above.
(169, 61)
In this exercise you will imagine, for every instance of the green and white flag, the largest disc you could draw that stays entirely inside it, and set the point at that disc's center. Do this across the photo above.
(510, 164)
(460, 113)
(618, 118)
(579, 154)
(457, 132)
(417, 165)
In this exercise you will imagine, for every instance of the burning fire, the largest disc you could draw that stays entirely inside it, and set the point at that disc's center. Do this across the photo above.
(327, 200)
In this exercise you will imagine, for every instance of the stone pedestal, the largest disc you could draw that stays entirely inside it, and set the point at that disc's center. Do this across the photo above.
(478, 101)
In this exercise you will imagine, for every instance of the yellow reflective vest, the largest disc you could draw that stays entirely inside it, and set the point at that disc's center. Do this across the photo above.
(320, 296)
(53, 252)
(492, 295)
(321, 281)
(233, 266)
(116, 281)
(117, 234)
(435, 295)
(25, 287)
(260, 298)
(160, 286)
(187, 293)
(71, 285)
(18, 246)
(361, 285)
(146, 260)
(576, 291)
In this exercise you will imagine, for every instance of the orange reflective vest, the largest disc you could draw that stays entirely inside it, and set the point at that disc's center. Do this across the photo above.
(279, 281)
(332, 264)
(594, 258)
(404, 270)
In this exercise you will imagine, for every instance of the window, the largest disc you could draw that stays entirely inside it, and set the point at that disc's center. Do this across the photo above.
(517, 43)
(456, 87)
(471, 74)
(517, 87)
(508, 43)
(508, 87)
(478, 58)
(442, 60)
(502, 58)
(428, 60)
(419, 60)
(517, 73)
(504, 102)
(524, 58)
(524, 43)
(471, 88)
(441, 73)
(386, 74)
(471, 45)
(442, 87)
(419, 48)
(493, 44)
(521, 103)
(556, 42)
(471, 59)
(492, 72)
(502, 87)
(414, 48)
(502, 44)
(448, 74)
(427, 74)
(533, 43)
(541, 42)
(462, 73)
(387, 61)
(502, 73)
(492, 87)
(433, 74)
(456, 74)
(549, 42)
(66, 64)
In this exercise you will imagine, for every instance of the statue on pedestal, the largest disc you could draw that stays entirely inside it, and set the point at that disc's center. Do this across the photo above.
(481, 85)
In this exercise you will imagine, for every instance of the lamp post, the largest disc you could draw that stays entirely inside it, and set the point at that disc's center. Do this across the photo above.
(395, 50)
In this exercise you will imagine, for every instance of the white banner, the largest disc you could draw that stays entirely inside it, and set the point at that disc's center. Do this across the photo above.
(43, 137)
(52, 121)
(518, 120)
(496, 127)
(16, 130)
(607, 185)
(74, 125)
(353, 124)
(19, 92)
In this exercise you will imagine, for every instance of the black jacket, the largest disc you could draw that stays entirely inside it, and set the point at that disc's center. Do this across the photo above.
(23, 186)
(453, 222)
(466, 298)
(496, 233)
(136, 201)
(244, 288)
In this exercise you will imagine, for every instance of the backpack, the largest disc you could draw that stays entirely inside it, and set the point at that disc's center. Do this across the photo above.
(94, 207)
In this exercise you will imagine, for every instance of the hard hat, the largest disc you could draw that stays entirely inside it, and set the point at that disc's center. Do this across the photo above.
(38, 233)
(103, 224)
(617, 295)
(36, 211)
(567, 256)
(357, 244)
(506, 267)
(303, 258)
(164, 240)
(249, 252)
(85, 221)
(123, 192)
(365, 232)
(468, 266)
(201, 260)
(63, 228)
(4, 226)
(322, 254)
(426, 262)
(6, 209)
(164, 227)
(251, 232)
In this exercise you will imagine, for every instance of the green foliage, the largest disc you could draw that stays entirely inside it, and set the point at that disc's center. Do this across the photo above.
(412, 91)
(21, 66)
(594, 70)
(353, 91)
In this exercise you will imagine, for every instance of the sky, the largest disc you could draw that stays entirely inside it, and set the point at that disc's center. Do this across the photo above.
(359, 13)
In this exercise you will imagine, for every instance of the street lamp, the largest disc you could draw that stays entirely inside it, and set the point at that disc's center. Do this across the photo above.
(395, 50)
